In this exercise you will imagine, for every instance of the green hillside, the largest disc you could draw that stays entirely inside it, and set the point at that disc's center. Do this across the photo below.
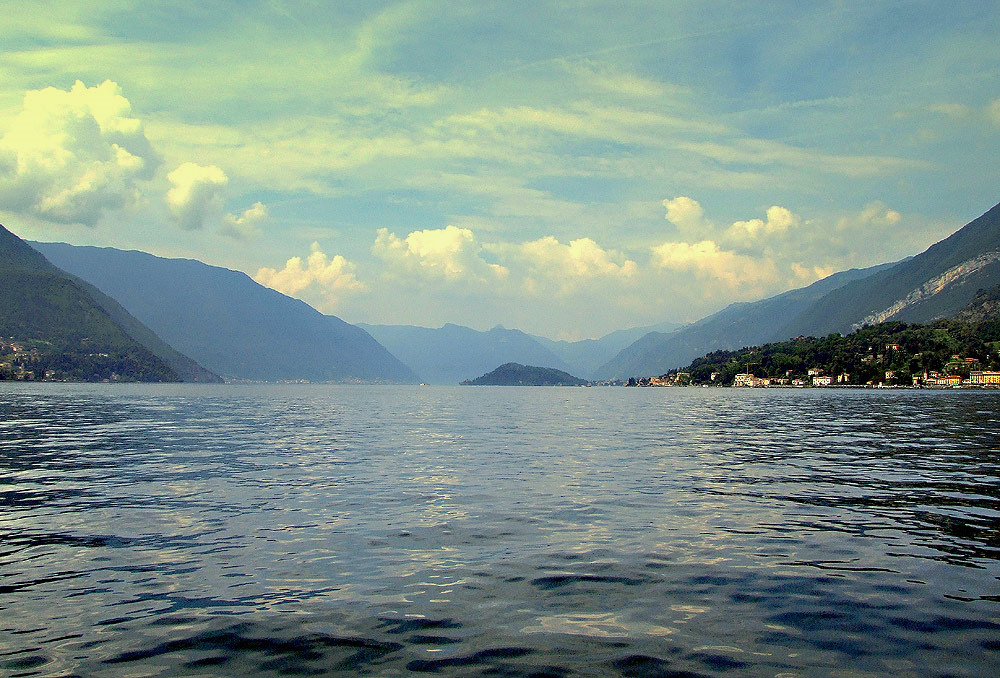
(890, 353)
(50, 325)
(984, 306)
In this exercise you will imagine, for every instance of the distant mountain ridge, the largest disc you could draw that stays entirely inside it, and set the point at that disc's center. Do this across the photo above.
(588, 355)
(737, 325)
(237, 328)
(937, 283)
(228, 322)
(934, 284)
(452, 353)
(77, 329)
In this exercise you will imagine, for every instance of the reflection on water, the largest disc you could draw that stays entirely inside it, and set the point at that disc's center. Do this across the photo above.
(220, 530)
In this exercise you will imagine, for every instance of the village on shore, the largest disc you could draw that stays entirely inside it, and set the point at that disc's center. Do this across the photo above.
(945, 354)
(815, 378)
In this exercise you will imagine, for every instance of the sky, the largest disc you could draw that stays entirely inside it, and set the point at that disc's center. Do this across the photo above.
(565, 167)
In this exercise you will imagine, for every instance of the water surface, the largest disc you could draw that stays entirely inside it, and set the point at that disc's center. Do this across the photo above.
(220, 530)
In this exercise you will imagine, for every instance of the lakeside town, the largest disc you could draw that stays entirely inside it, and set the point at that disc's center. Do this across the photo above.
(39, 360)
(17, 361)
(948, 354)
(815, 378)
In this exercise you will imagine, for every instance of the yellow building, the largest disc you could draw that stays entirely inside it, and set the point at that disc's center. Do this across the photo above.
(985, 378)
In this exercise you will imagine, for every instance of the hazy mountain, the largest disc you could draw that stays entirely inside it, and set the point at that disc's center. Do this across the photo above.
(588, 355)
(185, 367)
(75, 330)
(513, 374)
(738, 325)
(452, 353)
(229, 323)
(935, 284)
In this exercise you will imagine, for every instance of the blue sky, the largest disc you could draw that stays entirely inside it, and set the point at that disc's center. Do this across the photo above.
(563, 167)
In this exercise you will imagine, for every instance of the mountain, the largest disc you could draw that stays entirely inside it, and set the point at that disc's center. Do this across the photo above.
(451, 353)
(62, 325)
(587, 355)
(513, 374)
(984, 306)
(188, 370)
(737, 325)
(229, 323)
(934, 284)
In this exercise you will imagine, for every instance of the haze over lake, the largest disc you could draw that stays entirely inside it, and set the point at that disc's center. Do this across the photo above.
(267, 530)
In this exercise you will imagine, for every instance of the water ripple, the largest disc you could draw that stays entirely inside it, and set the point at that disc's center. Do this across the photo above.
(177, 530)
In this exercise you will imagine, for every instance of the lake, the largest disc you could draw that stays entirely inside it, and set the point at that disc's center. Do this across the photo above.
(166, 530)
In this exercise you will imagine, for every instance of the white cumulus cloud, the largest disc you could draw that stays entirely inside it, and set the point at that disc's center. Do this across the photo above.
(69, 156)
(724, 268)
(779, 220)
(582, 258)
(449, 253)
(549, 265)
(327, 279)
(687, 215)
(246, 225)
(195, 194)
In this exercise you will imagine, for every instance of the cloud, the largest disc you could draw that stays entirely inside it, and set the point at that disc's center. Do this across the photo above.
(766, 153)
(963, 113)
(874, 214)
(196, 194)
(246, 225)
(706, 259)
(69, 156)
(876, 222)
(809, 274)
(581, 258)
(951, 110)
(785, 250)
(553, 267)
(449, 253)
(780, 220)
(601, 77)
(329, 280)
(686, 214)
